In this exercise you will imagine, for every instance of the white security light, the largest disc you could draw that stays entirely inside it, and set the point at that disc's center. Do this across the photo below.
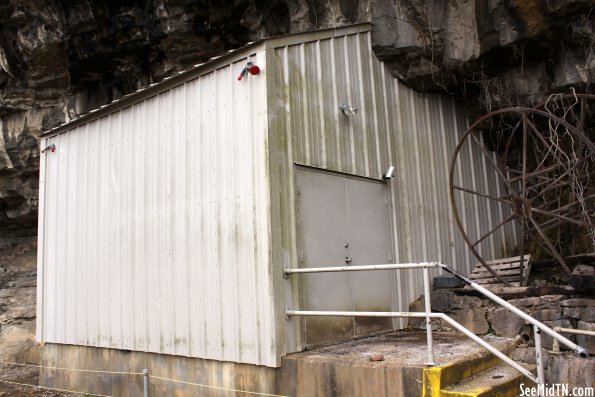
(389, 173)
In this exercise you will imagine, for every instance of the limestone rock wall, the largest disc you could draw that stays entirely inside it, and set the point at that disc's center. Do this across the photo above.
(17, 301)
(62, 58)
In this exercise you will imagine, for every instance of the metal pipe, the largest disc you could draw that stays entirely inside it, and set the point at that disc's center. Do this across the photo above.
(575, 331)
(145, 382)
(489, 347)
(573, 346)
(318, 313)
(556, 344)
(539, 356)
(428, 309)
(391, 266)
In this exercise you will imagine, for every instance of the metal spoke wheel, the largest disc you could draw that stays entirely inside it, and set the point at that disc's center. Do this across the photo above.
(539, 187)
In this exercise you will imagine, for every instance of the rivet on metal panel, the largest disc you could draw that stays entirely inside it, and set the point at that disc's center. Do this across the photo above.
(348, 110)
(348, 260)
(346, 245)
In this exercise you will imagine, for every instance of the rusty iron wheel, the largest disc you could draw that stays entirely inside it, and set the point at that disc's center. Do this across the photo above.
(543, 161)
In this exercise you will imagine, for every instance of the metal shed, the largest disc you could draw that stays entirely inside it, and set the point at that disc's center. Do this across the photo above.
(167, 217)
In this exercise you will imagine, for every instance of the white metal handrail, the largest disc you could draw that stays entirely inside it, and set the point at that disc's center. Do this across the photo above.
(556, 344)
(538, 327)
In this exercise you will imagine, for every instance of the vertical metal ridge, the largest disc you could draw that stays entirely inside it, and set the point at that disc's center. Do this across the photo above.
(237, 255)
(459, 172)
(393, 188)
(419, 168)
(65, 252)
(488, 213)
(258, 324)
(70, 235)
(400, 176)
(179, 237)
(376, 98)
(473, 215)
(305, 108)
(321, 102)
(445, 146)
(117, 177)
(334, 105)
(125, 231)
(194, 308)
(363, 105)
(349, 97)
(434, 175)
(167, 220)
(501, 214)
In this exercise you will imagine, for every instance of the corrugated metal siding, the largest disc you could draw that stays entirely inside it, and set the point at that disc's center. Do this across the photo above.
(395, 125)
(156, 226)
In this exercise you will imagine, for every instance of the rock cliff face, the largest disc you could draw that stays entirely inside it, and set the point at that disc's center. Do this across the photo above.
(61, 58)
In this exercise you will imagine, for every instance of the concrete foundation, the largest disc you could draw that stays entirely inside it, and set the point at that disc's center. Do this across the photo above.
(391, 364)
(247, 377)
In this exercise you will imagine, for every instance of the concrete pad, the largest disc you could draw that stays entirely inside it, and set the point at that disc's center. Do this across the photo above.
(347, 370)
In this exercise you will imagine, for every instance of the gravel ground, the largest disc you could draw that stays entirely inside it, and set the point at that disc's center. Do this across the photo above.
(28, 375)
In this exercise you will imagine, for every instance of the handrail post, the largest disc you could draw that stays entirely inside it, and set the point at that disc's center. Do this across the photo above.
(539, 355)
(145, 382)
(555, 343)
(428, 309)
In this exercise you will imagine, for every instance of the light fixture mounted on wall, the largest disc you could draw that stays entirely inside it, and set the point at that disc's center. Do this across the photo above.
(348, 110)
(250, 68)
(389, 173)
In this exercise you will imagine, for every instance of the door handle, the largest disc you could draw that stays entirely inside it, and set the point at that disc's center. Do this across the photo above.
(347, 260)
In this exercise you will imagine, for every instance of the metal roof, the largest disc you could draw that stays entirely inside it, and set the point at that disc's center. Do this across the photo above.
(204, 68)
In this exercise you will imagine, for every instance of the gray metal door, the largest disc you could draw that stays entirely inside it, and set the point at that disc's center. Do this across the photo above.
(343, 220)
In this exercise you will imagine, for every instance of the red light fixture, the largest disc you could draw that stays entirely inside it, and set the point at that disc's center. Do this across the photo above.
(254, 70)
(249, 68)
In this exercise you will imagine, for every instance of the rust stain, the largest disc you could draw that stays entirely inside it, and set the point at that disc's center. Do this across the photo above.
(531, 14)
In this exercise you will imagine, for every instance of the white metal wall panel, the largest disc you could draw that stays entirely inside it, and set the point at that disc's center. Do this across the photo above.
(395, 125)
(164, 225)
(156, 225)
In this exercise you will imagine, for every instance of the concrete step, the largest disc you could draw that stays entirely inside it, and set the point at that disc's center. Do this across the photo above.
(440, 377)
(499, 381)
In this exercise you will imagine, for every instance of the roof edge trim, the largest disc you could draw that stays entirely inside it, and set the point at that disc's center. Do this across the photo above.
(197, 71)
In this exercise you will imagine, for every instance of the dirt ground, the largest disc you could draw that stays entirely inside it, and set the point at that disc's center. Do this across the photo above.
(17, 321)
